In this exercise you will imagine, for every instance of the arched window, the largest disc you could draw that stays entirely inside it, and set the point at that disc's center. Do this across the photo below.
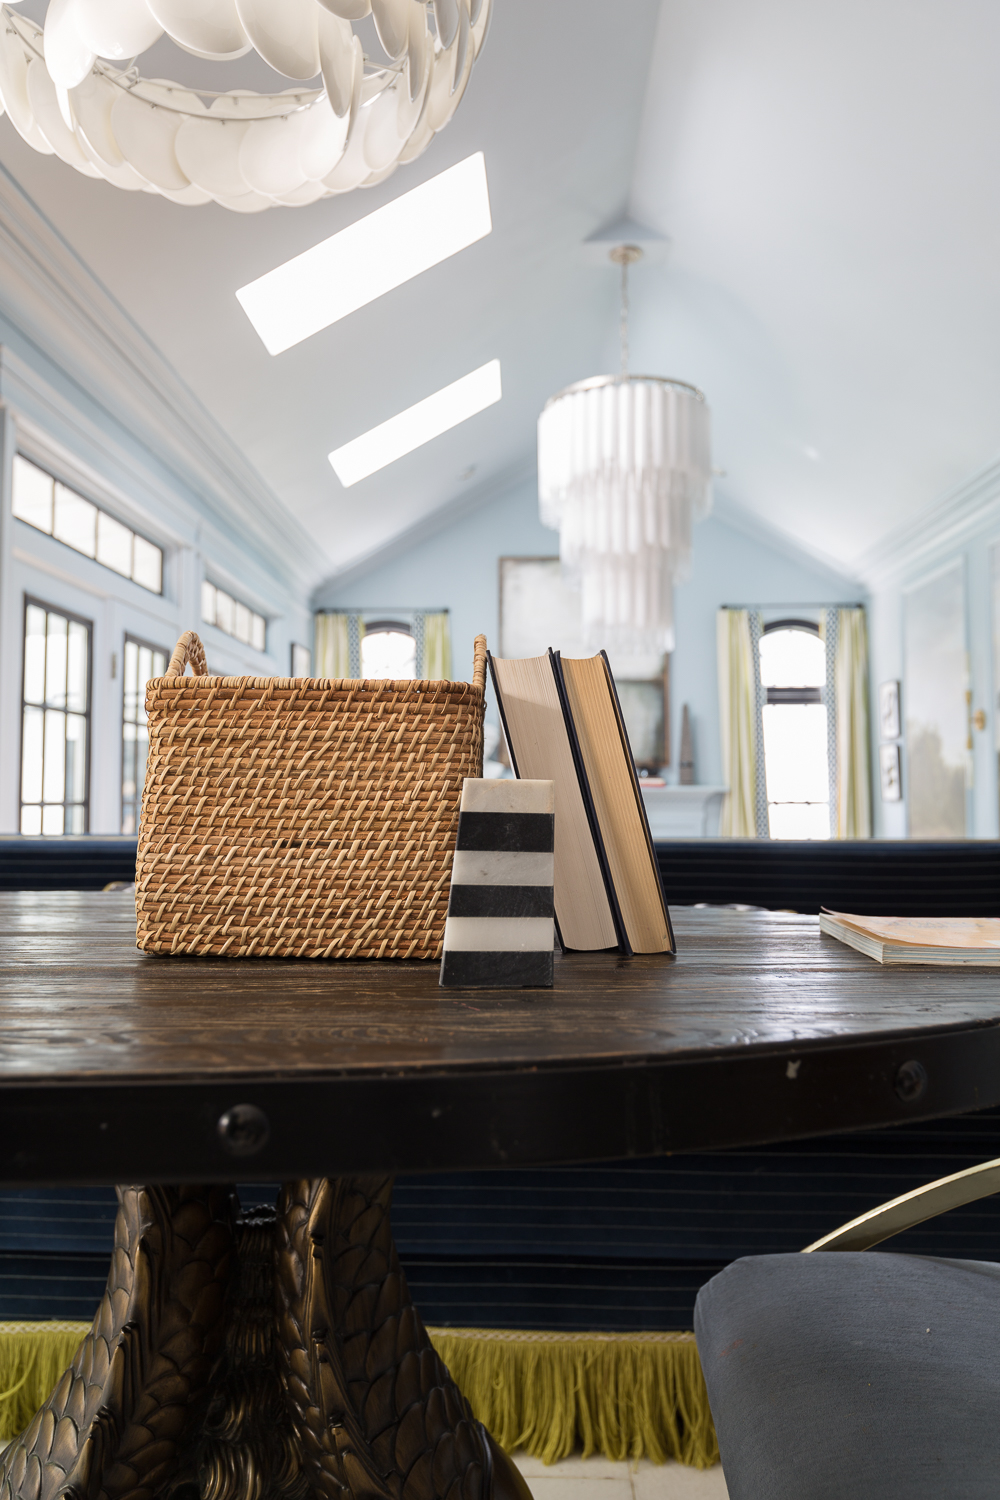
(796, 755)
(388, 649)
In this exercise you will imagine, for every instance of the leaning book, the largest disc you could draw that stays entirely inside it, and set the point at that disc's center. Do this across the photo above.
(563, 723)
(918, 940)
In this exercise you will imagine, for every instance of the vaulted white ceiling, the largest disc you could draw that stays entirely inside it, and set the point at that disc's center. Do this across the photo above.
(827, 179)
(830, 178)
(554, 103)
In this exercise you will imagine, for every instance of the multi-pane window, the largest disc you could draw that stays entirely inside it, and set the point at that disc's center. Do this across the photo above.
(55, 721)
(222, 610)
(301, 661)
(388, 649)
(796, 756)
(52, 507)
(141, 663)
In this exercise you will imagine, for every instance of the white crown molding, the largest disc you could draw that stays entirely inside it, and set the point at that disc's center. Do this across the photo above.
(56, 302)
(54, 433)
(949, 524)
(57, 434)
(435, 521)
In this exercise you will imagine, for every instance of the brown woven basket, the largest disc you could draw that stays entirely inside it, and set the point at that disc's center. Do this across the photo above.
(301, 817)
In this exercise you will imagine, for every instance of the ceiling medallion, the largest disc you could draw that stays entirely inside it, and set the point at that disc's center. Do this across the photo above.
(64, 94)
(624, 467)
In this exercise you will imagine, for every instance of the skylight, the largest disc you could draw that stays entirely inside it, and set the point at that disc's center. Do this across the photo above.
(371, 257)
(416, 425)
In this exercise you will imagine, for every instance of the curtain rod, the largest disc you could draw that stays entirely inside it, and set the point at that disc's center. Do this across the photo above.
(372, 609)
(854, 604)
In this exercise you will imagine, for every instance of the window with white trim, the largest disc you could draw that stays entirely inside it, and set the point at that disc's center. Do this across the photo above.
(50, 506)
(231, 616)
(794, 717)
(142, 662)
(388, 649)
(55, 721)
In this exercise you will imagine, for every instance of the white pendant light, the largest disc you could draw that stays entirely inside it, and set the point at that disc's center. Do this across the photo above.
(244, 150)
(624, 468)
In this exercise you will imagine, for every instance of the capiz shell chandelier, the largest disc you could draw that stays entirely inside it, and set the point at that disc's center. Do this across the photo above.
(62, 90)
(624, 468)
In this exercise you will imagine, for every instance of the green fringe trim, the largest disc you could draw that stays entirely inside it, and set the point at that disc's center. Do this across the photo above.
(626, 1395)
(33, 1356)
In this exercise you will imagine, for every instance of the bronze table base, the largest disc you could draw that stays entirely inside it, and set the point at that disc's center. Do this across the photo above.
(267, 1355)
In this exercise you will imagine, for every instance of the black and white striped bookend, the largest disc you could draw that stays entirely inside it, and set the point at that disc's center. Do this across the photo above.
(500, 931)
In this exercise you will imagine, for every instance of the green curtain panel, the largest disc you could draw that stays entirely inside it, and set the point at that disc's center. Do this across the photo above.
(437, 647)
(854, 795)
(332, 653)
(737, 722)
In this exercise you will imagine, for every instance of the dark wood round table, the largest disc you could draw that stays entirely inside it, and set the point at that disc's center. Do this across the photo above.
(116, 1066)
(278, 1356)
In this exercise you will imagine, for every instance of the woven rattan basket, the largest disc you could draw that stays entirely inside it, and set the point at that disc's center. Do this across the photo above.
(301, 817)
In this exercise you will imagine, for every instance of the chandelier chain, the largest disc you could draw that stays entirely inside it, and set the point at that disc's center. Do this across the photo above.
(623, 320)
(624, 256)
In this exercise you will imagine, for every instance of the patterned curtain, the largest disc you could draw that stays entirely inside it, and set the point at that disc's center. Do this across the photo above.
(337, 645)
(738, 715)
(854, 798)
(437, 647)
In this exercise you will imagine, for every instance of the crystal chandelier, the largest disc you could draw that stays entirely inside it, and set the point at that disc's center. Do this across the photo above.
(624, 466)
(348, 124)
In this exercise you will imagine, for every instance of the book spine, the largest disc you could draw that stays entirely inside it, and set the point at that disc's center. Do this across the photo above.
(588, 801)
(637, 792)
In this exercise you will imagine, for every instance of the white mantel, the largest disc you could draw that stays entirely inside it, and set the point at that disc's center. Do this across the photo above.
(683, 812)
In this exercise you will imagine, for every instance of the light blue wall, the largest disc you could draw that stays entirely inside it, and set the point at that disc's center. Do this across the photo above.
(917, 559)
(458, 569)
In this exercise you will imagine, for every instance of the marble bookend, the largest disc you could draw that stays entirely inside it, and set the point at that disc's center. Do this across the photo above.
(500, 931)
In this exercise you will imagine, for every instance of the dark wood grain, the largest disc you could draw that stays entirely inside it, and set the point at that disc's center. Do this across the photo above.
(126, 1061)
(78, 1001)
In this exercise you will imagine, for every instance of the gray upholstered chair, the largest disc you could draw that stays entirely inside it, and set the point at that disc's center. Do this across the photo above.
(852, 1376)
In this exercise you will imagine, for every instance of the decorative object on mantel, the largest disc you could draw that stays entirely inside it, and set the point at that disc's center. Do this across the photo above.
(302, 817)
(500, 932)
(624, 466)
(349, 124)
(686, 763)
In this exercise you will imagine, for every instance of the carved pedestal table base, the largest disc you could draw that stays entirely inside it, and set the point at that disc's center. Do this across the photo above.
(271, 1355)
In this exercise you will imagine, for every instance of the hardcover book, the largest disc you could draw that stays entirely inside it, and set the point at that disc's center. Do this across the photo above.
(563, 722)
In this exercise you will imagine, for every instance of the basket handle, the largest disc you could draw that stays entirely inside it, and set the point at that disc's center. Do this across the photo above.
(479, 663)
(188, 649)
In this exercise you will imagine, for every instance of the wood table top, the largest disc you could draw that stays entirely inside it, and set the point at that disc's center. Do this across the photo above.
(616, 1059)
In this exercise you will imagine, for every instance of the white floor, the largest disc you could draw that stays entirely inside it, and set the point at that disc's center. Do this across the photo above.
(600, 1479)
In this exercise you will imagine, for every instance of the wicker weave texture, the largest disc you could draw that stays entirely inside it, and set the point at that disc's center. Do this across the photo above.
(302, 817)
